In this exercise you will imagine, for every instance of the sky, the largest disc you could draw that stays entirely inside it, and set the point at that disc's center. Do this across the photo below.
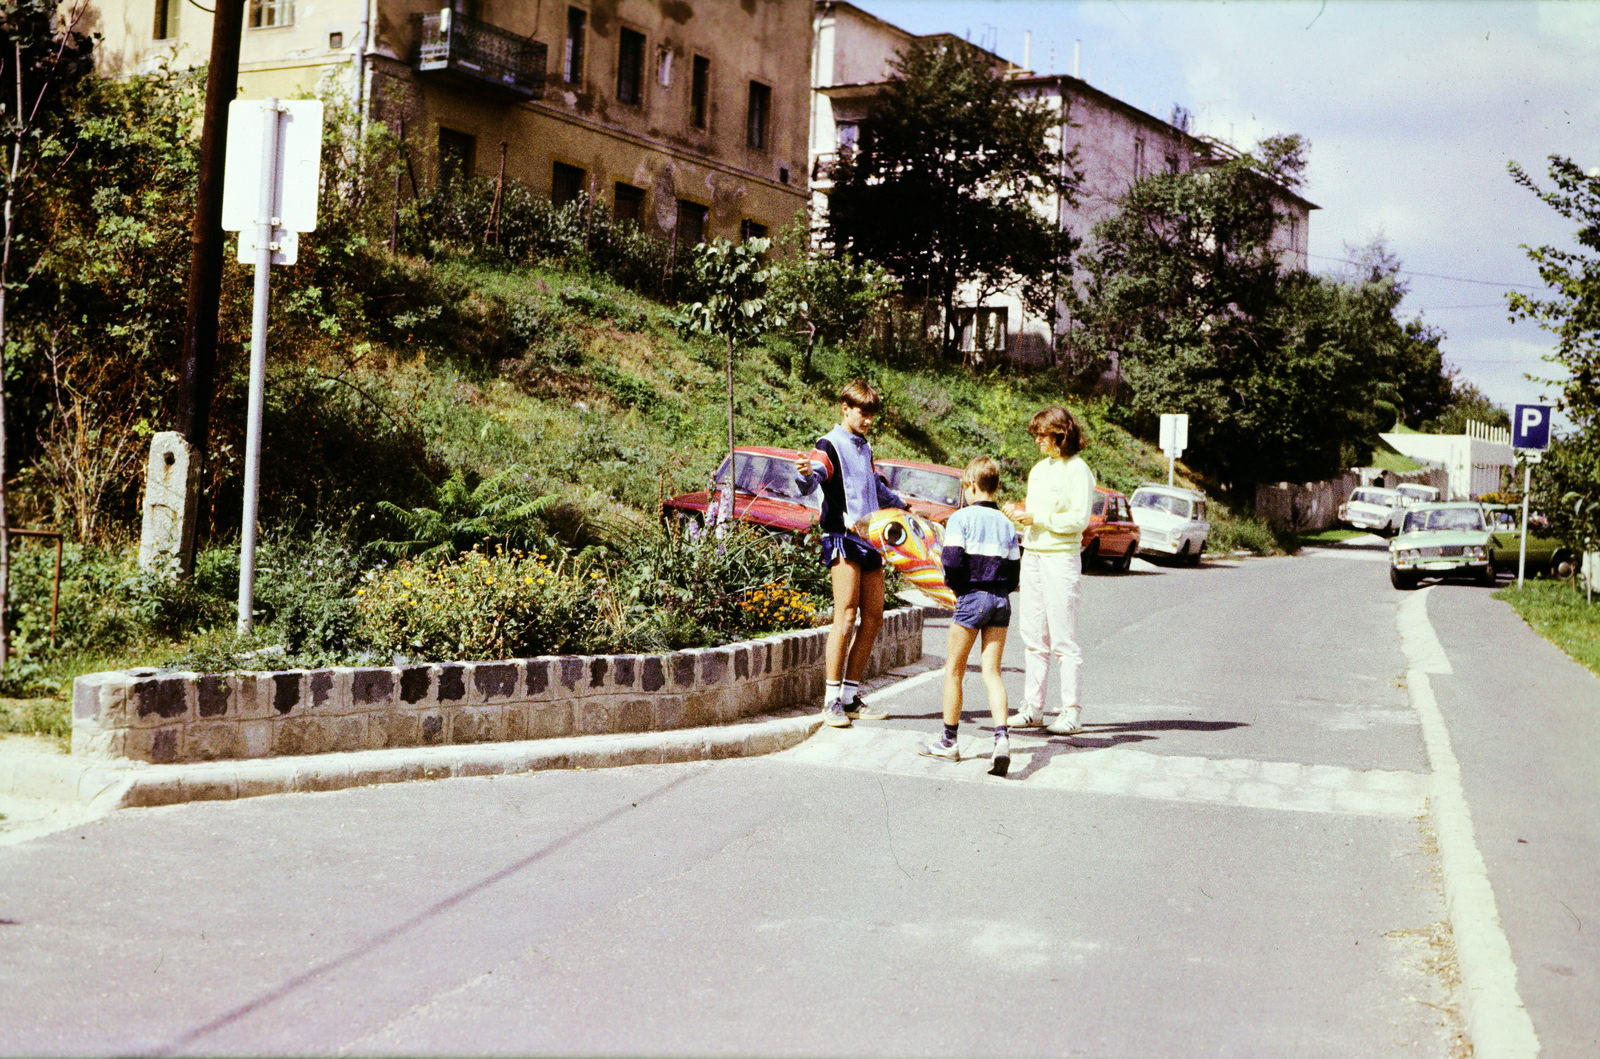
(1413, 111)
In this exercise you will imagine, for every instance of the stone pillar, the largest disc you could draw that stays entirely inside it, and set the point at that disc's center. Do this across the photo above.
(171, 495)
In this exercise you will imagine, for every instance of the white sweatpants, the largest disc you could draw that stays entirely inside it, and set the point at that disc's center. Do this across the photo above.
(1049, 620)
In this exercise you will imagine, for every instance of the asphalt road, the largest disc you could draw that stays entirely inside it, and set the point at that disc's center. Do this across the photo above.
(1231, 860)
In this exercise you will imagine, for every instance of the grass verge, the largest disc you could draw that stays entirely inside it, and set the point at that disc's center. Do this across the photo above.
(1560, 615)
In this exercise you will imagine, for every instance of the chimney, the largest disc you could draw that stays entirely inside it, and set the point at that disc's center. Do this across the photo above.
(1077, 53)
(1027, 50)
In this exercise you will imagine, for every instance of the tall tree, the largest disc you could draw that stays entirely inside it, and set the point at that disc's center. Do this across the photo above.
(824, 297)
(1284, 375)
(1567, 484)
(951, 180)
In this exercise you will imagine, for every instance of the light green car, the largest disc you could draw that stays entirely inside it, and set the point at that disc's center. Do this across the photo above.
(1544, 553)
(1441, 540)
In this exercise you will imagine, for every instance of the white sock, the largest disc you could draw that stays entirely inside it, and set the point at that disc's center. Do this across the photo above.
(830, 693)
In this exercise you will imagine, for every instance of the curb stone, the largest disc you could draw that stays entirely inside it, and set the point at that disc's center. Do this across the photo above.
(102, 787)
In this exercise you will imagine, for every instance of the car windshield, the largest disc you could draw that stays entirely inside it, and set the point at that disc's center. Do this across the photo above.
(1099, 503)
(1172, 505)
(1444, 518)
(918, 483)
(768, 476)
(1419, 492)
(1372, 496)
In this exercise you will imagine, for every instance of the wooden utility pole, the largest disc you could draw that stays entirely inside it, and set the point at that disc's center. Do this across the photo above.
(197, 377)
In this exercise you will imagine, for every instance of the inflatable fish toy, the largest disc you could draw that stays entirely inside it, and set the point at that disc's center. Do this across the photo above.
(912, 545)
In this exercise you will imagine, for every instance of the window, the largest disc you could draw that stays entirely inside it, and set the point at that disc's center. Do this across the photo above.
(1138, 159)
(335, 41)
(627, 203)
(699, 91)
(692, 219)
(760, 113)
(267, 13)
(1172, 164)
(984, 329)
(572, 57)
(630, 67)
(166, 26)
(458, 155)
(749, 230)
(849, 134)
(664, 67)
(566, 183)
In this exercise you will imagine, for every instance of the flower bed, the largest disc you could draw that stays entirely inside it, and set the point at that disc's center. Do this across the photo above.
(163, 716)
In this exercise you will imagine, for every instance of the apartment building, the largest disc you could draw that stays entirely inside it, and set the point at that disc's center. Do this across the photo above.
(689, 116)
(1117, 144)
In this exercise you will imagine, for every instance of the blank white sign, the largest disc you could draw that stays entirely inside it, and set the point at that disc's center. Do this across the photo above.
(299, 164)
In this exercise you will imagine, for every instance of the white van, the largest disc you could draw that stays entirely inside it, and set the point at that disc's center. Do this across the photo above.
(1172, 521)
(1374, 509)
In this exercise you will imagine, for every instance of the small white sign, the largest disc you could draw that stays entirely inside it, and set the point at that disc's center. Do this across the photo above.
(1174, 433)
(299, 165)
(285, 252)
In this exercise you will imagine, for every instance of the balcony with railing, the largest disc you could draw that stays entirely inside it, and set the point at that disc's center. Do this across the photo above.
(473, 54)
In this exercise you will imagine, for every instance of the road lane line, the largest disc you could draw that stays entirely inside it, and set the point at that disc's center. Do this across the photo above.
(1497, 1021)
(1242, 782)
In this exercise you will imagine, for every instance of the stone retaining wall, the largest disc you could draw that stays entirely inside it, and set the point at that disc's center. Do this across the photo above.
(164, 716)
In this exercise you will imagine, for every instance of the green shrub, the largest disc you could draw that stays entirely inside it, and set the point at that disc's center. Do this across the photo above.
(52, 717)
(1230, 532)
(483, 605)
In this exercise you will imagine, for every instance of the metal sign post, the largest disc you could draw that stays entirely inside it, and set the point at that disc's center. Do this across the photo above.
(269, 195)
(1174, 438)
(1530, 433)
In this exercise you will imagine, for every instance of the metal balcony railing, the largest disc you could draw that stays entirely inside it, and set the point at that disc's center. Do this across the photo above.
(476, 54)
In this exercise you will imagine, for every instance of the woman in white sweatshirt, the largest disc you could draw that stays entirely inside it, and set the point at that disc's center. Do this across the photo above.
(1052, 519)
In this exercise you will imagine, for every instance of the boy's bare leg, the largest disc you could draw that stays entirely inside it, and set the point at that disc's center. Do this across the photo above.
(847, 577)
(870, 596)
(994, 645)
(955, 669)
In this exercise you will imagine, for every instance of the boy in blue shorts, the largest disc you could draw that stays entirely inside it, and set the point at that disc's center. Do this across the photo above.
(982, 565)
(841, 464)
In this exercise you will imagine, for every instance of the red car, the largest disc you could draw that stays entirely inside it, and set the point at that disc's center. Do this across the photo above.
(933, 490)
(1112, 537)
(764, 491)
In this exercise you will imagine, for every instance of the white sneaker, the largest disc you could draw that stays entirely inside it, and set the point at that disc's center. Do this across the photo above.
(833, 715)
(862, 712)
(1066, 722)
(1026, 719)
(935, 748)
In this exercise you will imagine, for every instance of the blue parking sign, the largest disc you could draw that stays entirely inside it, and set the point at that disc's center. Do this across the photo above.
(1530, 427)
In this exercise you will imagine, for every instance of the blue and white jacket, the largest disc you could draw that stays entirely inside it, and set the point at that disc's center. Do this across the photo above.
(981, 551)
(851, 491)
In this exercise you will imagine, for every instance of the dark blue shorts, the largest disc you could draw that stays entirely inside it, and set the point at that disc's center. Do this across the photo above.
(846, 546)
(982, 610)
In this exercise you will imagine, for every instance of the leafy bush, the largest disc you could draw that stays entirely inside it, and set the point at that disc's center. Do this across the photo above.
(1230, 532)
(501, 509)
(483, 605)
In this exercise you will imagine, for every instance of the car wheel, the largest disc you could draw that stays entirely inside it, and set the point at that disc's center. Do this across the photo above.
(1121, 565)
(1490, 575)
(1091, 554)
(1182, 558)
(1404, 580)
(1199, 550)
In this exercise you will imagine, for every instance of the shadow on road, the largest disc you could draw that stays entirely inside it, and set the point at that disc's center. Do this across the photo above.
(1105, 736)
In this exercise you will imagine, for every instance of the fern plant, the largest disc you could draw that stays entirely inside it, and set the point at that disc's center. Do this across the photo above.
(500, 509)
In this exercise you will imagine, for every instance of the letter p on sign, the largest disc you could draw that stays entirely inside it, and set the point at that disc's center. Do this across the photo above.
(1530, 427)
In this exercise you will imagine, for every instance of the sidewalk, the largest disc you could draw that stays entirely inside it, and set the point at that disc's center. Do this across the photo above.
(1525, 722)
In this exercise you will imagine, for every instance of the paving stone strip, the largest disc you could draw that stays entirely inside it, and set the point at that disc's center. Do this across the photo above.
(1041, 763)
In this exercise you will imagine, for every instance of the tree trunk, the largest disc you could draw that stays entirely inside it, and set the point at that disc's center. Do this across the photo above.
(5, 273)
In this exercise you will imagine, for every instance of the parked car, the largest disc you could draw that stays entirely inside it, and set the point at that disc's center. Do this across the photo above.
(932, 489)
(764, 492)
(1417, 494)
(1371, 508)
(1112, 536)
(1441, 540)
(1171, 520)
(1544, 553)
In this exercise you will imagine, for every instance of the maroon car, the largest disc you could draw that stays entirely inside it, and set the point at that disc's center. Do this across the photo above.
(764, 491)
(1112, 537)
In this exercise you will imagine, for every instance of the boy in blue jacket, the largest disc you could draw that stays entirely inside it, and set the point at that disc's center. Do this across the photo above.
(841, 464)
(982, 565)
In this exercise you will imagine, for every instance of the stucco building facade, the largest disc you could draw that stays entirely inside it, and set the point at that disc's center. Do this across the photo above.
(690, 116)
(1116, 143)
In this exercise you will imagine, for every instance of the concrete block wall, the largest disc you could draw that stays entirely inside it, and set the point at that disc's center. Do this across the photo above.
(165, 716)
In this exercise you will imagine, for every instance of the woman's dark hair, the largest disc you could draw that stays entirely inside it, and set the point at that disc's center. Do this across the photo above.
(1061, 426)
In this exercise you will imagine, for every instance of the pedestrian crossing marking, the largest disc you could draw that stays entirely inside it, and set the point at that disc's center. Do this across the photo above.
(1041, 763)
